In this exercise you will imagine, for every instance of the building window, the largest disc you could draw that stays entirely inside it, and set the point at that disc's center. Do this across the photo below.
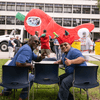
(2, 6)
(85, 21)
(39, 6)
(67, 8)
(26, 35)
(76, 22)
(18, 22)
(95, 22)
(48, 7)
(20, 6)
(86, 9)
(18, 31)
(10, 20)
(9, 31)
(10, 6)
(58, 21)
(2, 32)
(67, 22)
(95, 10)
(2, 19)
(29, 6)
(76, 8)
(58, 8)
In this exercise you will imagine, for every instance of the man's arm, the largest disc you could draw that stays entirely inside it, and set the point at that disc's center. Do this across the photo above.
(13, 43)
(20, 43)
(39, 58)
(24, 65)
(78, 60)
(58, 62)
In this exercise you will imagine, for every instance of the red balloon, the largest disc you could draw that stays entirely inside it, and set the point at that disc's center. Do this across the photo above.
(38, 20)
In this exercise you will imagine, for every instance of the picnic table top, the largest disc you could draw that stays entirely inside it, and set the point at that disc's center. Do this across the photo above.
(51, 62)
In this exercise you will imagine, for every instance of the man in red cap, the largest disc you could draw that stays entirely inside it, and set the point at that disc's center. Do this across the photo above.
(71, 57)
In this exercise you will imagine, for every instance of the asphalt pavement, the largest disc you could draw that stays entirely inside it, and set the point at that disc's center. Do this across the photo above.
(5, 55)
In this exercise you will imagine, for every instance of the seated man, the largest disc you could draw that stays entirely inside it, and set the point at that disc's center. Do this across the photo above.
(23, 57)
(70, 58)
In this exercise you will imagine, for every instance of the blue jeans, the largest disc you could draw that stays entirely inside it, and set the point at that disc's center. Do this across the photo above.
(65, 84)
(23, 94)
(16, 50)
(58, 52)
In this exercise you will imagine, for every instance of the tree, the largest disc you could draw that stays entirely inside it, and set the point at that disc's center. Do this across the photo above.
(98, 4)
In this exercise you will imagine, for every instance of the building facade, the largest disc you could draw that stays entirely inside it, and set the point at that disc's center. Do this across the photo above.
(67, 13)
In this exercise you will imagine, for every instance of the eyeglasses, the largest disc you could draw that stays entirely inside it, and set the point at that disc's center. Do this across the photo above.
(37, 42)
(65, 44)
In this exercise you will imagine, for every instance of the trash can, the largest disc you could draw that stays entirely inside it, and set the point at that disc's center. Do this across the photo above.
(97, 47)
(76, 44)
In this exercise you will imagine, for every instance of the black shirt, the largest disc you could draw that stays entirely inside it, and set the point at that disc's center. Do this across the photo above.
(17, 43)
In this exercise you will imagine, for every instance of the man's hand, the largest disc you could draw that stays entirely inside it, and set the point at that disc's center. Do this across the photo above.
(56, 62)
(43, 55)
(39, 58)
(31, 68)
(59, 47)
(90, 51)
(67, 62)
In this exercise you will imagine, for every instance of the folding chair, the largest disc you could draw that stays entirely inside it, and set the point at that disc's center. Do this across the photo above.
(85, 77)
(15, 78)
(46, 73)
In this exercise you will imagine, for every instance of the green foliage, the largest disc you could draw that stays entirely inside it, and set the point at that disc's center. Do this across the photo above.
(98, 4)
(2, 62)
(51, 93)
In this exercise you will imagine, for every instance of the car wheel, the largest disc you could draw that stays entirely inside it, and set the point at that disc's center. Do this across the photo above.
(4, 46)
